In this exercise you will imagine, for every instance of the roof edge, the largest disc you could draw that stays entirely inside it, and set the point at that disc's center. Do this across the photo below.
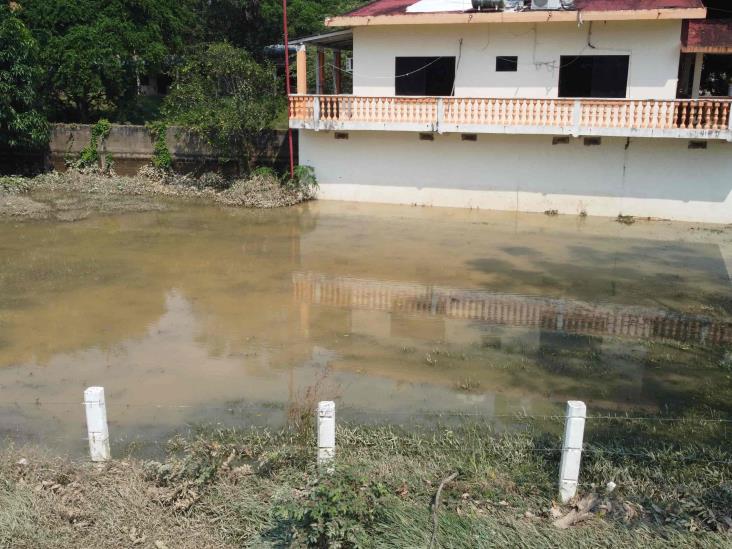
(658, 14)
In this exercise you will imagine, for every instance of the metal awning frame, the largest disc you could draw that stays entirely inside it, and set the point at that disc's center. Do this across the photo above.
(341, 40)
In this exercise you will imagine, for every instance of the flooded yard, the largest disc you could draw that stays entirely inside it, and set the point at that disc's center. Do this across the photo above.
(190, 314)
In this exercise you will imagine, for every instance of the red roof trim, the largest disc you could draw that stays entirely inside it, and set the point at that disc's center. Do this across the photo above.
(707, 35)
(382, 7)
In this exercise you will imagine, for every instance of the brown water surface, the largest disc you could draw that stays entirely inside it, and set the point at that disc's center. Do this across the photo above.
(197, 314)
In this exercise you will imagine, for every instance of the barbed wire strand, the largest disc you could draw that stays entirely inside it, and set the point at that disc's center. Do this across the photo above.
(382, 413)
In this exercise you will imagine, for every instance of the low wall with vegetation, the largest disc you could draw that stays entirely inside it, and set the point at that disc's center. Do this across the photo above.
(131, 147)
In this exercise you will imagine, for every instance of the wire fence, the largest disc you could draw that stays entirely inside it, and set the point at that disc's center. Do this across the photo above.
(414, 414)
(351, 411)
(561, 439)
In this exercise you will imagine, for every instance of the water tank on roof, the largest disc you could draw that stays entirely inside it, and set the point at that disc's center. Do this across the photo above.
(549, 4)
(514, 5)
(488, 4)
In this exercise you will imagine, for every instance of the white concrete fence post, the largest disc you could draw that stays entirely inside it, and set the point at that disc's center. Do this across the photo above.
(326, 432)
(569, 467)
(96, 423)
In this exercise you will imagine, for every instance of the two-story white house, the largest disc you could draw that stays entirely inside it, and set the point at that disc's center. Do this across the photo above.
(525, 105)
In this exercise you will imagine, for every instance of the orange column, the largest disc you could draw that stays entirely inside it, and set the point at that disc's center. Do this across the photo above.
(301, 70)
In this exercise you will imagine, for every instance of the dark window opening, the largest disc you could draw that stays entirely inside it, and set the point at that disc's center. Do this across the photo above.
(593, 76)
(469, 137)
(426, 137)
(507, 64)
(560, 140)
(425, 75)
(593, 141)
(164, 83)
(340, 135)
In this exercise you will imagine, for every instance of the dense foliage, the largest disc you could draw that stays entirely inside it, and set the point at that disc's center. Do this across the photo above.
(254, 24)
(21, 123)
(79, 61)
(224, 95)
(93, 53)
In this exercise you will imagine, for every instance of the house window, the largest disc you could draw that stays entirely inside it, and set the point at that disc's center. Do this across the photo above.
(593, 76)
(424, 75)
(507, 64)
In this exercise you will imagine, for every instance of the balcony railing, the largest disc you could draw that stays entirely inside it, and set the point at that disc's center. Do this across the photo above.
(704, 118)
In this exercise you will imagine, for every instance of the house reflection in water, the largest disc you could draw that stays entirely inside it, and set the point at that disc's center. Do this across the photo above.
(569, 339)
(446, 305)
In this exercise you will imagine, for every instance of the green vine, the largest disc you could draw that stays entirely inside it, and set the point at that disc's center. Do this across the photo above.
(89, 156)
(162, 159)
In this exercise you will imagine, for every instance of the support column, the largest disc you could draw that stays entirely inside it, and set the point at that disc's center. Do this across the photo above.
(320, 74)
(337, 75)
(301, 69)
(696, 85)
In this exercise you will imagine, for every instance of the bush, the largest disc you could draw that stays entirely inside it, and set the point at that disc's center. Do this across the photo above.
(22, 123)
(162, 159)
(14, 184)
(339, 511)
(222, 94)
(304, 180)
(89, 157)
(212, 180)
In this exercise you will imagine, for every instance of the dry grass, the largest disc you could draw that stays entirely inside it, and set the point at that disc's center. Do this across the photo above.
(75, 194)
(53, 502)
(225, 488)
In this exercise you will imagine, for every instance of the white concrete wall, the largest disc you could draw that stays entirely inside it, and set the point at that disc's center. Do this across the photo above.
(651, 177)
(653, 48)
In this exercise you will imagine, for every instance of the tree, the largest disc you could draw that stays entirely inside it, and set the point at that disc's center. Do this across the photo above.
(94, 52)
(222, 94)
(21, 124)
(254, 24)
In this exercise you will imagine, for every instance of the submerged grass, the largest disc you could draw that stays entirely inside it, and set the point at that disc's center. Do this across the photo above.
(256, 488)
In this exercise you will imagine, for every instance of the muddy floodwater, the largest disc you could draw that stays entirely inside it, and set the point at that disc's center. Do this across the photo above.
(191, 314)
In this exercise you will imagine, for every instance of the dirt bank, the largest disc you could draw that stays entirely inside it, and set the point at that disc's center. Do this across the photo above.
(76, 194)
(224, 488)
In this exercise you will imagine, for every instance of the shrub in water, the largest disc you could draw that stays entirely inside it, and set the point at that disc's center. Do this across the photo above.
(304, 180)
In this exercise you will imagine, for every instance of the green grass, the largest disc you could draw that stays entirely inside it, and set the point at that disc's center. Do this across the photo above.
(228, 488)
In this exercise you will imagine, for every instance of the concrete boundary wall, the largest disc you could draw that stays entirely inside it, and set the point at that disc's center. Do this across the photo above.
(131, 147)
(660, 178)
